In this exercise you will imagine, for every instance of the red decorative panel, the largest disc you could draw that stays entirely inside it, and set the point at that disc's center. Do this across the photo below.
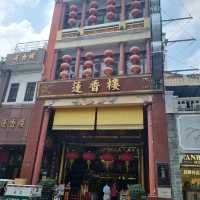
(14, 124)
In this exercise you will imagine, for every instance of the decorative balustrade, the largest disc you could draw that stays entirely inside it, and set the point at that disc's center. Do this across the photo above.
(188, 104)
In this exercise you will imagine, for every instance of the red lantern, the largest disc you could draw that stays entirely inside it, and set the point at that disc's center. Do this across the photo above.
(109, 61)
(136, 4)
(88, 64)
(136, 69)
(110, 8)
(134, 50)
(72, 22)
(108, 71)
(67, 58)
(74, 8)
(87, 73)
(110, 16)
(72, 155)
(135, 59)
(92, 18)
(93, 4)
(89, 55)
(135, 13)
(73, 14)
(92, 11)
(108, 53)
(110, 2)
(64, 66)
(89, 156)
(107, 158)
(126, 157)
(64, 75)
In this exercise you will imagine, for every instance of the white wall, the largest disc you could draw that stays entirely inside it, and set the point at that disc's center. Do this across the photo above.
(170, 102)
(23, 79)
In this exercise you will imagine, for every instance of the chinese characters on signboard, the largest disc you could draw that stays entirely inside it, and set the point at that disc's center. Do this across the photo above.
(95, 85)
(12, 123)
(24, 57)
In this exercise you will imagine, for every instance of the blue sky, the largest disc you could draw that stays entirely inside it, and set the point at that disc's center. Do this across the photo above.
(29, 20)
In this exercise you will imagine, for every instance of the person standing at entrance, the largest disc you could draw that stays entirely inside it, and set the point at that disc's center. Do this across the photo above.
(107, 192)
(114, 192)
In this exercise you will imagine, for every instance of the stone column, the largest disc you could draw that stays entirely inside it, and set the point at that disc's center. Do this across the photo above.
(174, 157)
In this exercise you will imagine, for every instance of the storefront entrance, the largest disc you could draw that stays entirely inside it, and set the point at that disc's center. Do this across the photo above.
(87, 148)
(87, 160)
(11, 158)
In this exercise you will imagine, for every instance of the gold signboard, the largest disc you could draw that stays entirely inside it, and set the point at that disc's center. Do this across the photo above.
(12, 123)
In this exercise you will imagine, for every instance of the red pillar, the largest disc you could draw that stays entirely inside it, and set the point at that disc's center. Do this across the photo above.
(78, 62)
(32, 142)
(123, 10)
(55, 27)
(152, 168)
(157, 142)
(40, 150)
(121, 68)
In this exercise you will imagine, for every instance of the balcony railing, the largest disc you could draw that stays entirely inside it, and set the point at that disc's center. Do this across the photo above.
(191, 104)
(102, 18)
(29, 46)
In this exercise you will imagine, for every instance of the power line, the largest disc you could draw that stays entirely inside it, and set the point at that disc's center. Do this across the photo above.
(177, 19)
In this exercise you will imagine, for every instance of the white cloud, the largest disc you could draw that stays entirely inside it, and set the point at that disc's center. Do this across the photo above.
(22, 32)
(27, 3)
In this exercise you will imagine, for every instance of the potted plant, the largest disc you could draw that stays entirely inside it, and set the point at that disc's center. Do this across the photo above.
(48, 186)
(136, 192)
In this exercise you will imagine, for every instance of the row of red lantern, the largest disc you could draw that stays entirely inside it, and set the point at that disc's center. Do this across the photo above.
(73, 15)
(110, 8)
(135, 60)
(93, 12)
(64, 68)
(107, 156)
(88, 65)
(136, 8)
(108, 61)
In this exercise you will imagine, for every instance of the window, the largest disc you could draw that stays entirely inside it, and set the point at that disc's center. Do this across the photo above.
(30, 90)
(13, 92)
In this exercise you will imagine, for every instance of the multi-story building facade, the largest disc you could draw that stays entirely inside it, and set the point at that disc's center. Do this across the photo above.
(183, 116)
(19, 76)
(100, 113)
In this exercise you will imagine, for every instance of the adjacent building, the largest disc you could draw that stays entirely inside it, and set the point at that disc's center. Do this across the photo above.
(19, 74)
(100, 111)
(183, 117)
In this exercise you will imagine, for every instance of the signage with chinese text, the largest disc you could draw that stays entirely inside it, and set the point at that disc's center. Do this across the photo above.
(95, 87)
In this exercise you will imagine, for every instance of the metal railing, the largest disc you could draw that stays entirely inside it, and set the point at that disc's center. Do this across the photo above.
(29, 46)
(188, 104)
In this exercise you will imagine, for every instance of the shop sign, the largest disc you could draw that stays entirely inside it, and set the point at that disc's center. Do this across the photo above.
(24, 57)
(94, 87)
(191, 172)
(12, 123)
(165, 193)
(192, 160)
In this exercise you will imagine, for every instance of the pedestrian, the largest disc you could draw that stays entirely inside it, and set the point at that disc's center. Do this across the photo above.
(107, 192)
